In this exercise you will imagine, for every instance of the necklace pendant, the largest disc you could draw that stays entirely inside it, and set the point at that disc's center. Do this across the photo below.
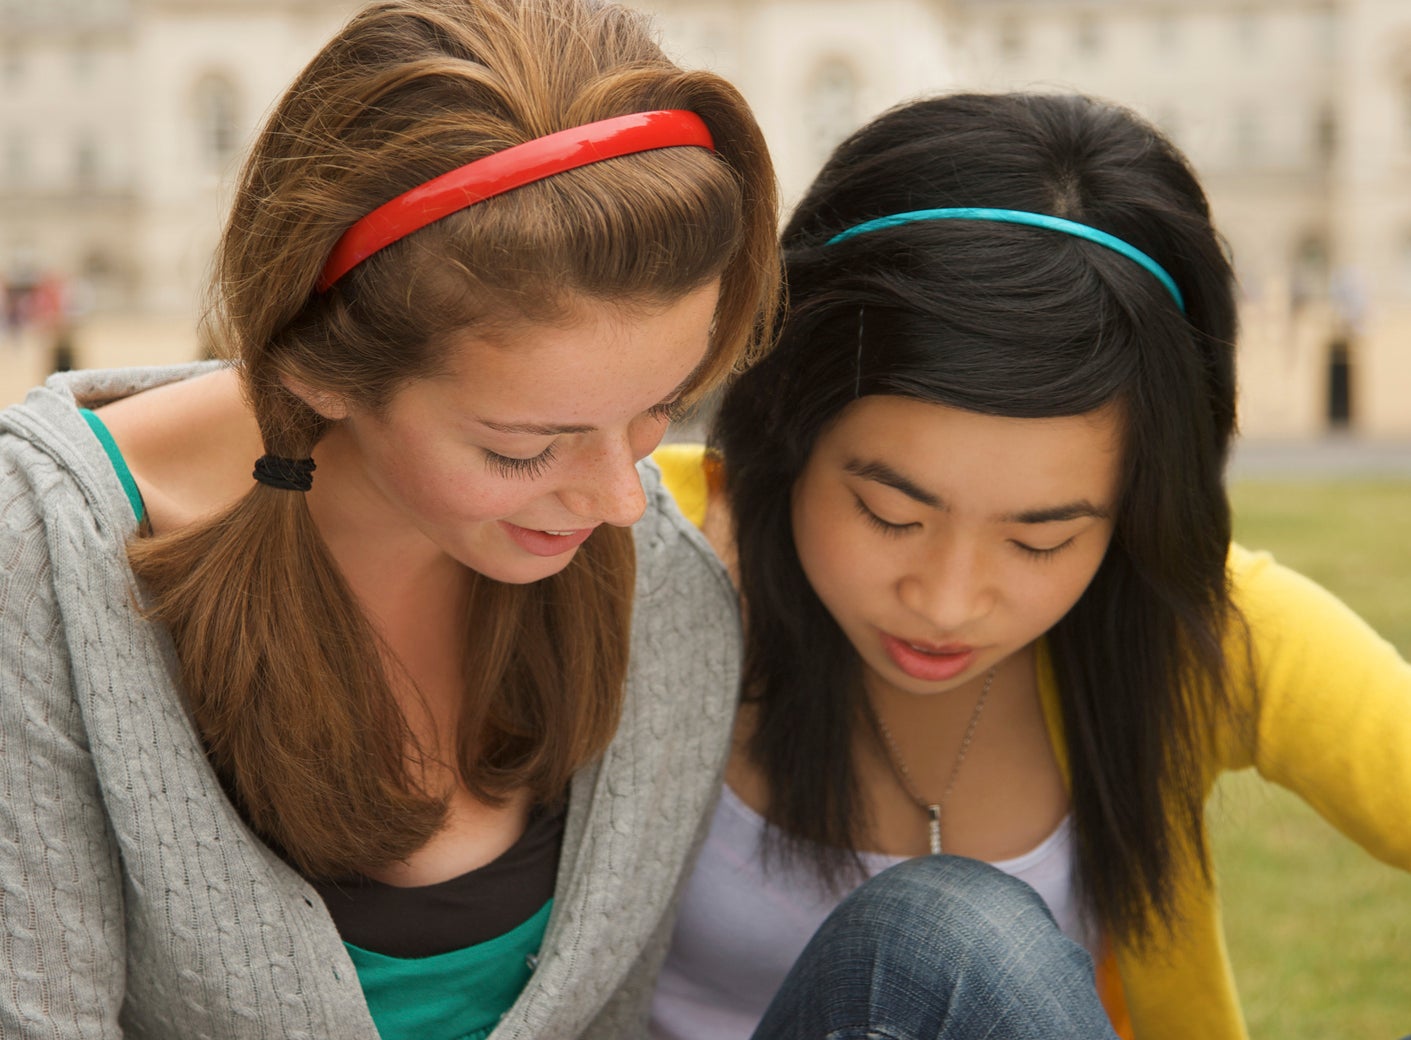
(933, 828)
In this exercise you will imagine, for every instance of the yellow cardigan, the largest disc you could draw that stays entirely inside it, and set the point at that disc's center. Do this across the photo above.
(1322, 707)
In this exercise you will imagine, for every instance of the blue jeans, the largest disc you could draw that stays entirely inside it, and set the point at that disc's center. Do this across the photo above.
(939, 948)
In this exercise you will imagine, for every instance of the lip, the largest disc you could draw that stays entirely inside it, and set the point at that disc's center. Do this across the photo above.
(541, 543)
(926, 661)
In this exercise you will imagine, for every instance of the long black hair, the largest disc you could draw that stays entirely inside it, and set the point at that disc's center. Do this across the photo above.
(1014, 321)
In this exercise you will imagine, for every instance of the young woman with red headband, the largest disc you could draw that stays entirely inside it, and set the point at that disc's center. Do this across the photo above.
(999, 645)
(351, 745)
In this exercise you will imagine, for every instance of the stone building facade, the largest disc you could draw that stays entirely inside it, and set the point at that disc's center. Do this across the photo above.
(122, 122)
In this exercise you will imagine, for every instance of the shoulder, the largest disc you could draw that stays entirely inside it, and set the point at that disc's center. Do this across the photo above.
(1278, 603)
(668, 538)
(694, 478)
(53, 462)
(208, 417)
(65, 517)
(1329, 704)
(686, 623)
(1304, 653)
(51, 465)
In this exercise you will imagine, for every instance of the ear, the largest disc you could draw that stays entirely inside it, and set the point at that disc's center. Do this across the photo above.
(328, 404)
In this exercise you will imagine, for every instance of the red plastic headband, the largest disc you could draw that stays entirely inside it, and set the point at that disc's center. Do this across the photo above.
(504, 171)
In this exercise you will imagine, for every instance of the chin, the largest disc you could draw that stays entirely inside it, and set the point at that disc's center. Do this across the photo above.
(522, 572)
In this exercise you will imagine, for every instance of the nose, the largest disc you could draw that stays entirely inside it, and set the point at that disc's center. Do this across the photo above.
(605, 487)
(948, 587)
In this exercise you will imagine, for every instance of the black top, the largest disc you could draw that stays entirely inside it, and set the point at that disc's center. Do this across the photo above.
(463, 911)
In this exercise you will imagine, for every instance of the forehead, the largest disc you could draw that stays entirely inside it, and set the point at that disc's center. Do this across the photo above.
(975, 462)
(597, 355)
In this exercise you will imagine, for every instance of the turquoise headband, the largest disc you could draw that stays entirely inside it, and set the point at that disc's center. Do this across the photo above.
(1018, 216)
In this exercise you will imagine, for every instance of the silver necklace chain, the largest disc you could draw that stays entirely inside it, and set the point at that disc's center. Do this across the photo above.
(903, 774)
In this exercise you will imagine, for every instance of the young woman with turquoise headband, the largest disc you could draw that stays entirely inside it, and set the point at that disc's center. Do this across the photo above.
(996, 628)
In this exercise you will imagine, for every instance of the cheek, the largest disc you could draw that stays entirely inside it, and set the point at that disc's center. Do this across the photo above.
(462, 495)
(828, 553)
(645, 435)
(1065, 589)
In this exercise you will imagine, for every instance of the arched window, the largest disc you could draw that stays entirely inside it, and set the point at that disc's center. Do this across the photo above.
(1249, 30)
(1310, 269)
(1167, 31)
(1406, 111)
(1087, 36)
(217, 122)
(16, 161)
(1404, 264)
(86, 161)
(1011, 39)
(1325, 133)
(1168, 119)
(831, 107)
(1248, 135)
(12, 63)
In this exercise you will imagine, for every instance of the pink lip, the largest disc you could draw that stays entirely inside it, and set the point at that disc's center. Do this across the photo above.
(927, 662)
(541, 543)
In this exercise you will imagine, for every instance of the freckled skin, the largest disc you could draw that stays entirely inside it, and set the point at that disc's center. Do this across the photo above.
(423, 477)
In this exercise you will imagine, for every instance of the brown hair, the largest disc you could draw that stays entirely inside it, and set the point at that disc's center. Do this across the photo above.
(282, 669)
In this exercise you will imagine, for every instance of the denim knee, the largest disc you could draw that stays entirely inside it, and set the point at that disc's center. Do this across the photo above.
(939, 947)
(948, 895)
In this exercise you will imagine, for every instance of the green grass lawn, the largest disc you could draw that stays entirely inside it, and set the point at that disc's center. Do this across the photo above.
(1319, 932)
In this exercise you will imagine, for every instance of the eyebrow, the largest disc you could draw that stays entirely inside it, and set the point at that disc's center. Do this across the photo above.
(1079, 510)
(554, 429)
(882, 473)
(538, 429)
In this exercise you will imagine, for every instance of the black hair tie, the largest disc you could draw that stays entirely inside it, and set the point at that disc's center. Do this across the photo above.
(287, 474)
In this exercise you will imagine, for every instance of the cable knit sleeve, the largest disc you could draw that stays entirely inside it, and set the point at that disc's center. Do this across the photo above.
(61, 895)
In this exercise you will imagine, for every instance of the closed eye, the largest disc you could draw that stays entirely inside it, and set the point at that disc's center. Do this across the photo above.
(1045, 553)
(670, 411)
(885, 526)
(510, 466)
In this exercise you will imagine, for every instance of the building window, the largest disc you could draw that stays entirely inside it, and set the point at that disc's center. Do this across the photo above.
(1404, 263)
(11, 64)
(85, 164)
(1406, 112)
(16, 160)
(1311, 270)
(831, 107)
(1327, 33)
(1087, 36)
(1011, 39)
(1167, 28)
(217, 127)
(1325, 133)
(82, 57)
(1168, 120)
(1248, 136)
(1248, 30)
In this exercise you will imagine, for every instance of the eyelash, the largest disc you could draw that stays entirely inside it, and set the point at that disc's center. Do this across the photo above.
(890, 529)
(895, 530)
(1043, 554)
(509, 466)
(668, 410)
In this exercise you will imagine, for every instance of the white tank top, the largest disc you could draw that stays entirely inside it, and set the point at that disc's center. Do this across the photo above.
(741, 928)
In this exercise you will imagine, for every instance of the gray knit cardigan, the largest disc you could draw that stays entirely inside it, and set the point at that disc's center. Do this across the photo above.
(135, 900)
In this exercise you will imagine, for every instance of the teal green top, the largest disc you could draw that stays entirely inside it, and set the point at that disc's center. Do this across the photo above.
(458, 995)
(134, 497)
